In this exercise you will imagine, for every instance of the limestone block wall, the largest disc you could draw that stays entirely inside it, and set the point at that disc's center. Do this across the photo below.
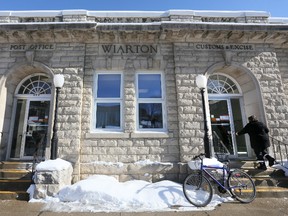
(119, 154)
(66, 59)
(101, 153)
(69, 61)
(268, 91)
(282, 59)
(187, 67)
(149, 156)
(265, 67)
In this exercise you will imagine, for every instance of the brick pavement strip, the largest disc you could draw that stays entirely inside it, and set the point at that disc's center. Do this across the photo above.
(259, 207)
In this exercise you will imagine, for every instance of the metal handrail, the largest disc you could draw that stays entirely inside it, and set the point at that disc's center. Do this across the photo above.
(280, 150)
(220, 150)
(38, 155)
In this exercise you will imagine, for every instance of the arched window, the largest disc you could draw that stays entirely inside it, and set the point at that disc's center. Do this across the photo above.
(35, 85)
(220, 84)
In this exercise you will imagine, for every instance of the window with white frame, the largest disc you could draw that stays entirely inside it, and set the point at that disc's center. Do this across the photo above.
(108, 101)
(150, 101)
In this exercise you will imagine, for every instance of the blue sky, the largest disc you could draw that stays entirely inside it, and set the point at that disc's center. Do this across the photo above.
(277, 8)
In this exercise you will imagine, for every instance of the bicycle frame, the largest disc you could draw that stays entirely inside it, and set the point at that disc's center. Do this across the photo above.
(233, 181)
(225, 170)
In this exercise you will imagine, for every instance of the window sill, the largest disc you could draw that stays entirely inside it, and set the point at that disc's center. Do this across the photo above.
(95, 135)
(146, 134)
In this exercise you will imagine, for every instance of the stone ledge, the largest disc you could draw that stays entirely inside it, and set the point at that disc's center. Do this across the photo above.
(149, 135)
(51, 176)
(110, 135)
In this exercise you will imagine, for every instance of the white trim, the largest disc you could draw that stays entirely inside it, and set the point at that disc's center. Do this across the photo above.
(106, 100)
(232, 79)
(228, 97)
(161, 100)
(30, 95)
(28, 98)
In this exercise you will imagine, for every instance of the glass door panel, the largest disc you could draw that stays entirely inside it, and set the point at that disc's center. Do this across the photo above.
(226, 118)
(18, 131)
(30, 129)
(37, 128)
(221, 126)
(238, 125)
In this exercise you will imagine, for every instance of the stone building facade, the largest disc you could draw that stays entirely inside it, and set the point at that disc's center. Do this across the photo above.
(130, 106)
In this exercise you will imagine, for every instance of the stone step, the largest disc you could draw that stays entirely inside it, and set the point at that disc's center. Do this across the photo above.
(14, 185)
(275, 192)
(16, 165)
(269, 183)
(15, 179)
(14, 195)
(15, 174)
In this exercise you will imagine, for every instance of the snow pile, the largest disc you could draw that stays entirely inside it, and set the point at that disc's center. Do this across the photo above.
(102, 193)
(283, 167)
(53, 165)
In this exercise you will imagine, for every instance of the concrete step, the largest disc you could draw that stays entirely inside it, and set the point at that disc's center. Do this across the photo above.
(15, 174)
(16, 165)
(269, 183)
(14, 195)
(15, 179)
(273, 192)
(14, 185)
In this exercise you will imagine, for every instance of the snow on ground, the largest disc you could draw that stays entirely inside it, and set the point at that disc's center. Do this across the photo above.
(283, 167)
(101, 193)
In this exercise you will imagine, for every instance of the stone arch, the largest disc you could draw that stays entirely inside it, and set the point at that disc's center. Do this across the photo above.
(250, 87)
(8, 84)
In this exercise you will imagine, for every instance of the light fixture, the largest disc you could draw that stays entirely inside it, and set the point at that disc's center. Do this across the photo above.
(58, 84)
(58, 80)
(201, 82)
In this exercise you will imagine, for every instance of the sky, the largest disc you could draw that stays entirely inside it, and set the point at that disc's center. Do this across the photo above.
(277, 8)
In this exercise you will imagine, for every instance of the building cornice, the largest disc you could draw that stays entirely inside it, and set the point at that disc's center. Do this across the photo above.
(177, 28)
(137, 16)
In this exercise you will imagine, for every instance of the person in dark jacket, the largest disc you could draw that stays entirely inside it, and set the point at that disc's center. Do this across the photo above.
(259, 139)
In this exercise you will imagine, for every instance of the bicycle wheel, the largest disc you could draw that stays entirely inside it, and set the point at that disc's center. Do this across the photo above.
(241, 186)
(197, 189)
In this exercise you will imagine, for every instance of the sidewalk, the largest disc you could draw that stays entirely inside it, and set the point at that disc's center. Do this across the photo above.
(259, 207)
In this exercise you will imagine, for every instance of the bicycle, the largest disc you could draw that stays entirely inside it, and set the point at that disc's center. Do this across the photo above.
(198, 188)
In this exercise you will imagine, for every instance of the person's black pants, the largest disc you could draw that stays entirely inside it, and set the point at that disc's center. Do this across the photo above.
(263, 152)
(260, 152)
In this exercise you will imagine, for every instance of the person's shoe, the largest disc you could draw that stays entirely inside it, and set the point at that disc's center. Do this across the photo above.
(262, 166)
(271, 162)
(270, 159)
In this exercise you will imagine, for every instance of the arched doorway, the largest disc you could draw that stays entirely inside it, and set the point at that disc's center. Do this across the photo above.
(29, 129)
(227, 114)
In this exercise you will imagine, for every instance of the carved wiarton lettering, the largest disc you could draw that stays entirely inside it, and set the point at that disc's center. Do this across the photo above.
(25, 47)
(128, 49)
(232, 47)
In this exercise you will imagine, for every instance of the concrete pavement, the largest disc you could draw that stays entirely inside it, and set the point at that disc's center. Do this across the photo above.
(259, 207)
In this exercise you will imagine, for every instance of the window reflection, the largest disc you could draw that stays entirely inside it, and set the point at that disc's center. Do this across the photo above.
(108, 115)
(108, 101)
(149, 86)
(150, 115)
(109, 85)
